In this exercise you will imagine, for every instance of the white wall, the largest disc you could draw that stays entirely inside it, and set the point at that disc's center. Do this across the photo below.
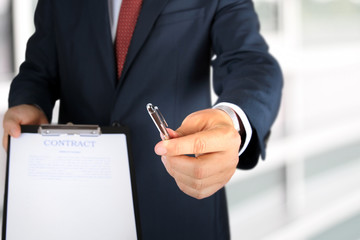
(23, 15)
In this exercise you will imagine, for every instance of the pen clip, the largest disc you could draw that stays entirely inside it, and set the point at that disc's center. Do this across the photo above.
(161, 117)
(159, 120)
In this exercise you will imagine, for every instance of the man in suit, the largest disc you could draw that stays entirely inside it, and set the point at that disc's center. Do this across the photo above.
(71, 57)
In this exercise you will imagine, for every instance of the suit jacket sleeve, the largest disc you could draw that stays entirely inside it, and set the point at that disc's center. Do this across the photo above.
(37, 81)
(245, 73)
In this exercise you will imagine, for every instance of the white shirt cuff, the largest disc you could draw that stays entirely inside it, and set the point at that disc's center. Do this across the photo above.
(245, 121)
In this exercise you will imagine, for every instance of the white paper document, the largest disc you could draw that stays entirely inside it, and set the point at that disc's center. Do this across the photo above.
(69, 187)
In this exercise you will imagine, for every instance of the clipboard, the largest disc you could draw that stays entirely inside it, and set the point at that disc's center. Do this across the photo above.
(70, 182)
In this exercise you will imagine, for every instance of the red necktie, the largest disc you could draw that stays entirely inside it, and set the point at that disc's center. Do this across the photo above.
(128, 16)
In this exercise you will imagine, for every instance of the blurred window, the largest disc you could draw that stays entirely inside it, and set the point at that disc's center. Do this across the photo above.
(5, 38)
(268, 12)
(330, 21)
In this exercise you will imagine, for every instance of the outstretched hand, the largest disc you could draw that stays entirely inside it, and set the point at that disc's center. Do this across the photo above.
(208, 135)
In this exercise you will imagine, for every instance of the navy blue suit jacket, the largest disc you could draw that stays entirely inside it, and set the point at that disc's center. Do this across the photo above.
(71, 57)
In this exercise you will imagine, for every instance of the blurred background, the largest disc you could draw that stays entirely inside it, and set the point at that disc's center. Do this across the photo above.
(309, 185)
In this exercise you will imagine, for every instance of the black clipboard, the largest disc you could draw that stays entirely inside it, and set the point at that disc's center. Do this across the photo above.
(70, 182)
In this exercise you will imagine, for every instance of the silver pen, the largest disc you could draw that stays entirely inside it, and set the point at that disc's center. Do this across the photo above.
(159, 120)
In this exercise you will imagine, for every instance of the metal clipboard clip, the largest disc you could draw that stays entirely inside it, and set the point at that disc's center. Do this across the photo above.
(69, 129)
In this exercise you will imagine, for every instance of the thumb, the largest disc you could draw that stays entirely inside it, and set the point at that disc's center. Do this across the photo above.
(197, 122)
(21, 114)
(12, 128)
(173, 134)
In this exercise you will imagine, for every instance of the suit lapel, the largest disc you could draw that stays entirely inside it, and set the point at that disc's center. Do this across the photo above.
(149, 12)
(101, 38)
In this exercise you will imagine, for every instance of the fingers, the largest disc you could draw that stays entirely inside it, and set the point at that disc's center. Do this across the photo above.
(203, 120)
(5, 141)
(203, 176)
(199, 193)
(171, 133)
(22, 114)
(200, 167)
(201, 132)
(11, 127)
(212, 140)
